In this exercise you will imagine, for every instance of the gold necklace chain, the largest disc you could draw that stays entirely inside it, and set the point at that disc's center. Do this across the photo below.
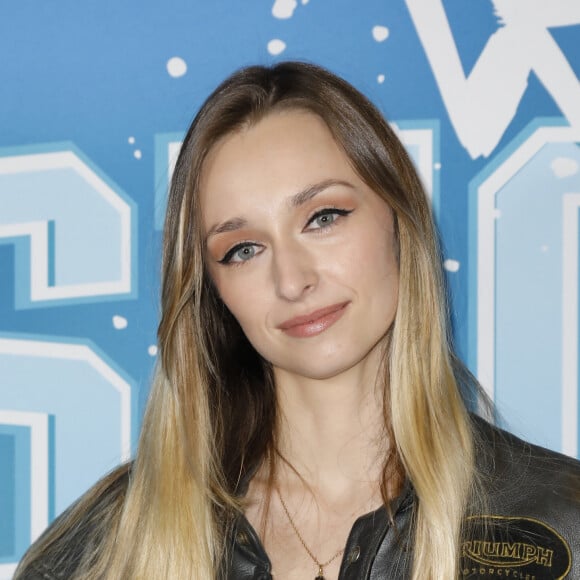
(320, 565)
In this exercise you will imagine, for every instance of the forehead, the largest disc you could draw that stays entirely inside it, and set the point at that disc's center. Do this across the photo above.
(281, 137)
(278, 156)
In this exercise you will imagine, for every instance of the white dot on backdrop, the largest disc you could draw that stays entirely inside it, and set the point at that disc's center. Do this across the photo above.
(437, 166)
(380, 33)
(564, 166)
(119, 322)
(381, 79)
(137, 153)
(544, 249)
(276, 46)
(152, 350)
(451, 265)
(176, 67)
(131, 140)
(284, 8)
(304, 1)
(496, 213)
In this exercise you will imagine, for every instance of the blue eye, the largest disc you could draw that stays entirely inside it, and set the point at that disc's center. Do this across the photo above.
(239, 253)
(326, 217)
(324, 220)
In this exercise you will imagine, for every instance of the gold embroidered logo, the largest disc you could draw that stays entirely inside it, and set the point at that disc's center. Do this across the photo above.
(515, 548)
(507, 553)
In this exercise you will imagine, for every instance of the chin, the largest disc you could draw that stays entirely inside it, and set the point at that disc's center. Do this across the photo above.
(317, 369)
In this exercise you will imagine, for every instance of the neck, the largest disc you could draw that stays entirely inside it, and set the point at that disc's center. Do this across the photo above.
(332, 431)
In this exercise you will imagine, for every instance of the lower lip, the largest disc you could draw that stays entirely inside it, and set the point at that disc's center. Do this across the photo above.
(317, 326)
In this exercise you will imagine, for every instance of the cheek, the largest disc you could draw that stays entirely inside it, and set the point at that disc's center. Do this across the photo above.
(371, 258)
(242, 298)
(374, 275)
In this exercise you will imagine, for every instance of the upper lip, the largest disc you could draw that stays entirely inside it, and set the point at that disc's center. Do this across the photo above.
(311, 317)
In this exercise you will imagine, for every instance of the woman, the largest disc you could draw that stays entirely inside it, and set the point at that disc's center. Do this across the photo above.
(307, 417)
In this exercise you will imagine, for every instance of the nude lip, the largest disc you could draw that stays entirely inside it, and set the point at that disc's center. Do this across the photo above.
(313, 323)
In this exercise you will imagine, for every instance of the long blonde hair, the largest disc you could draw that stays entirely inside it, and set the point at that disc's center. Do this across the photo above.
(211, 416)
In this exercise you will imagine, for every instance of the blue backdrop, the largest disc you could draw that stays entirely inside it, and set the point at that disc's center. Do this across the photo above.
(94, 99)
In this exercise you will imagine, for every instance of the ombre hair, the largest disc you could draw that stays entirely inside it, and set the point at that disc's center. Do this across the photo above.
(211, 419)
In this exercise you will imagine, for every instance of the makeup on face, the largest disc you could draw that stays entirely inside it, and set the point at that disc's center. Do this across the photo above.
(313, 323)
(300, 249)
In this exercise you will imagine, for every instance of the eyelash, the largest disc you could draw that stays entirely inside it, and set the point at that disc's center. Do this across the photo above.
(329, 211)
(227, 259)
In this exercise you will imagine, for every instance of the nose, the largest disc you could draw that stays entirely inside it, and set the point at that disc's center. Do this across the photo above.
(294, 271)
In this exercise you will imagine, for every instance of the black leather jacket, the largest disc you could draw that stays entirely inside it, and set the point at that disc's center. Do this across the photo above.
(529, 531)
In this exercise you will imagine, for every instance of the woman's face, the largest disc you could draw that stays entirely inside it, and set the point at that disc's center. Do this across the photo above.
(301, 251)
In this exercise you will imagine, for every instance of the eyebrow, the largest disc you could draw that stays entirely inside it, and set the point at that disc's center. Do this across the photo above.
(311, 191)
(296, 200)
(227, 226)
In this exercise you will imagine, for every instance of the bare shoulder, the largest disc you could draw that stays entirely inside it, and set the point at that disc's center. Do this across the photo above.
(78, 534)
